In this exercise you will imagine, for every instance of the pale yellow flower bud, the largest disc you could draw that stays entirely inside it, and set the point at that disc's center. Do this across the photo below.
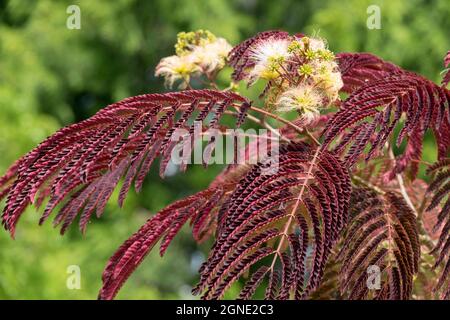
(176, 68)
(306, 99)
(326, 75)
(269, 57)
(211, 56)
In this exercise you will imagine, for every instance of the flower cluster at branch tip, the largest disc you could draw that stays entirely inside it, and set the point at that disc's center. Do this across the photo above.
(302, 74)
(176, 68)
(269, 56)
(199, 52)
(303, 98)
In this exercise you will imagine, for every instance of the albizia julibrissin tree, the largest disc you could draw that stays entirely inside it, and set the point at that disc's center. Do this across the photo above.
(340, 204)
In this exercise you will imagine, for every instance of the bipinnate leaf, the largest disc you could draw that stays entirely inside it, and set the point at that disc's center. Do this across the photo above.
(288, 220)
(439, 189)
(369, 116)
(79, 167)
(380, 251)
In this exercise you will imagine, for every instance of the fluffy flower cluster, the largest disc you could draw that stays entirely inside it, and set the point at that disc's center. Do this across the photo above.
(268, 57)
(302, 73)
(197, 53)
(176, 68)
(303, 98)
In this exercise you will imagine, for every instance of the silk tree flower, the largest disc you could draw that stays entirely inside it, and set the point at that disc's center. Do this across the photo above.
(316, 49)
(268, 57)
(211, 56)
(296, 46)
(326, 76)
(316, 44)
(204, 48)
(174, 68)
(188, 41)
(197, 52)
(306, 99)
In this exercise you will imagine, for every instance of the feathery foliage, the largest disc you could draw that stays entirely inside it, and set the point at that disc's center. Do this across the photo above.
(310, 219)
(440, 188)
(382, 232)
(372, 112)
(358, 69)
(304, 205)
(88, 159)
(446, 78)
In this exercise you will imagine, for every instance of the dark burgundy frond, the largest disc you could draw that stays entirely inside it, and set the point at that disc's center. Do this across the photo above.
(440, 189)
(8, 178)
(358, 69)
(303, 204)
(345, 217)
(382, 234)
(327, 290)
(371, 113)
(164, 225)
(446, 78)
(201, 209)
(239, 56)
(84, 162)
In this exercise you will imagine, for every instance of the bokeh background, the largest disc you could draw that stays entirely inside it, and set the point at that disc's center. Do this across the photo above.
(51, 76)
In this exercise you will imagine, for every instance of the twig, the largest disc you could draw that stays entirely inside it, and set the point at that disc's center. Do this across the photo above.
(422, 232)
(262, 123)
(401, 184)
(294, 209)
(368, 184)
(287, 122)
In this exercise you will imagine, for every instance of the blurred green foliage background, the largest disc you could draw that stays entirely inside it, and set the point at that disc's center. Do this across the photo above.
(51, 76)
